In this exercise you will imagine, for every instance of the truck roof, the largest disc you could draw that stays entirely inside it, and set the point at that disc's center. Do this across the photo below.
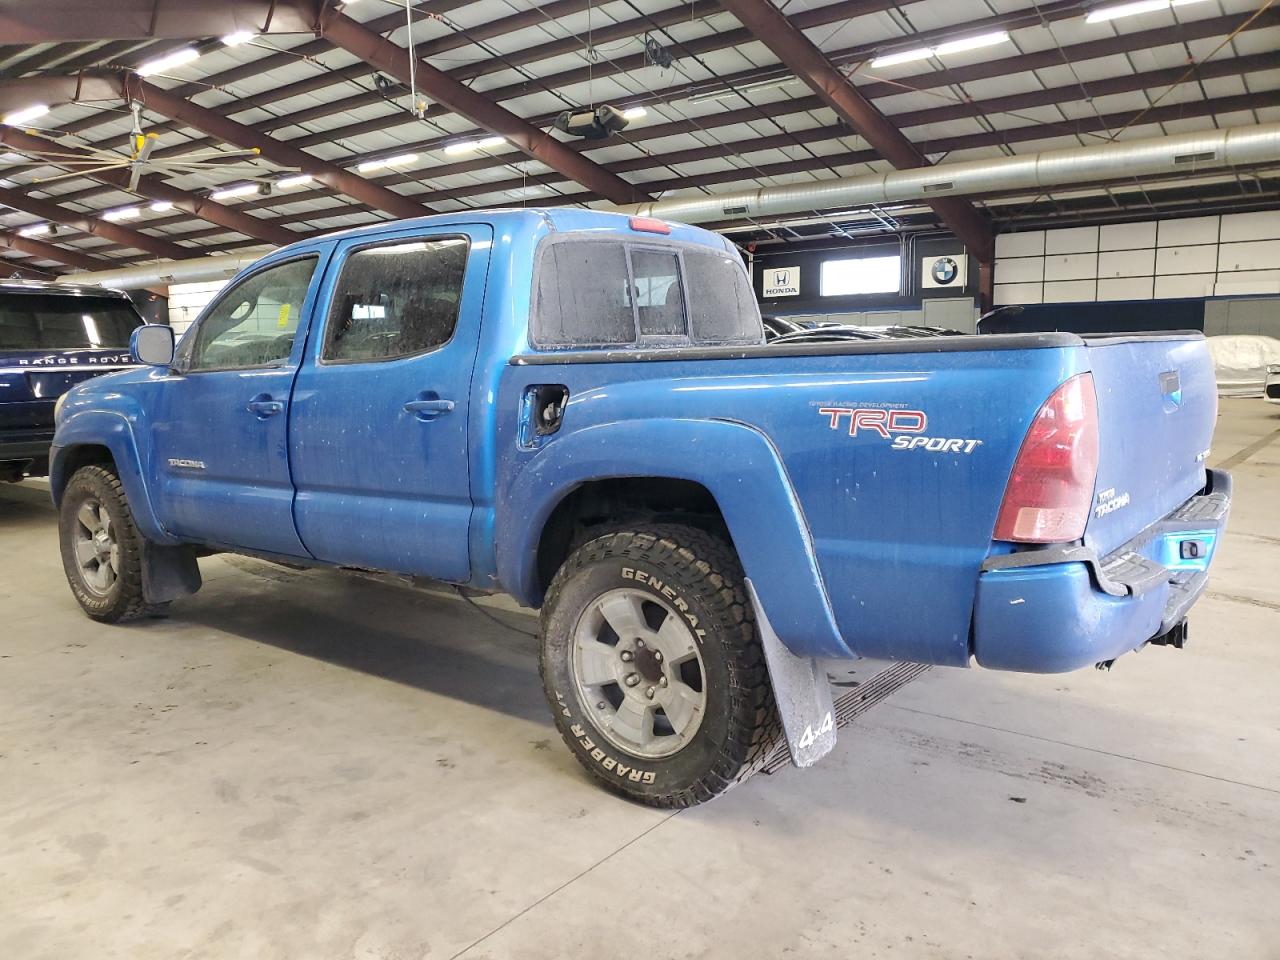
(520, 219)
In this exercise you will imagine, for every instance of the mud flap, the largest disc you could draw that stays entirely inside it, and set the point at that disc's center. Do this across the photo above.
(802, 693)
(168, 572)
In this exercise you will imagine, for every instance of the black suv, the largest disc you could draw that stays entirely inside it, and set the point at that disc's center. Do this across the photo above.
(51, 338)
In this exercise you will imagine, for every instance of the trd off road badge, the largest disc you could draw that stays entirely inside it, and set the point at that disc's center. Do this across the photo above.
(903, 429)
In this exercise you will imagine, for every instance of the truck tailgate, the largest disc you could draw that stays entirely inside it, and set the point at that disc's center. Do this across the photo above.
(1157, 404)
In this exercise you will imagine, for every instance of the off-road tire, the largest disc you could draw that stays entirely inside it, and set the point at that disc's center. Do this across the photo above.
(740, 726)
(124, 600)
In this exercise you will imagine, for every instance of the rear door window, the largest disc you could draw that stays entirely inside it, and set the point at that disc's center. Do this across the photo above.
(396, 300)
(50, 321)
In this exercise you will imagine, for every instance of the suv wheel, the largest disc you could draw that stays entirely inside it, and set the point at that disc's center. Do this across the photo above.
(652, 666)
(101, 547)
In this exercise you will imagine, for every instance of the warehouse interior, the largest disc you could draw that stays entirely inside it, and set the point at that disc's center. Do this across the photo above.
(311, 761)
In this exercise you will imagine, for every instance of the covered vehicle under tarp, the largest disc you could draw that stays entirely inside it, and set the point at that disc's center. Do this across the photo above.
(1240, 363)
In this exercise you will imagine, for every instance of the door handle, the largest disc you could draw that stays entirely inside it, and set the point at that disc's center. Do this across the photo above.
(429, 409)
(263, 406)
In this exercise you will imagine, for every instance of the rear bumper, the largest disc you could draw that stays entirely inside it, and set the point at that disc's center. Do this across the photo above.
(1064, 608)
(33, 445)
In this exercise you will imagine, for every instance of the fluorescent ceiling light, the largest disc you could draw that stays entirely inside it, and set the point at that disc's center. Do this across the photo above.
(297, 180)
(240, 190)
(635, 113)
(34, 230)
(168, 61)
(903, 56)
(971, 43)
(1125, 10)
(943, 49)
(727, 92)
(370, 165)
(239, 37)
(121, 213)
(26, 114)
(162, 206)
(466, 146)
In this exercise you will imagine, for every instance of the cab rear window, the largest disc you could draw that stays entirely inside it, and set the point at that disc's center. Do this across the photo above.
(597, 291)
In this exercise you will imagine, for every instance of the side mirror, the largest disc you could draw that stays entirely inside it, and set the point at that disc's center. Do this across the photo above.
(152, 344)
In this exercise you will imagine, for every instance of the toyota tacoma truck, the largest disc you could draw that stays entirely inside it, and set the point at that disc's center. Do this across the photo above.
(580, 409)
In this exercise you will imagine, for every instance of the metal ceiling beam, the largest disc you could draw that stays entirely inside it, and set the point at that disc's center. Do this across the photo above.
(803, 57)
(479, 109)
(47, 251)
(153, 188)
(56, 21)
(12, 269)
(94, 226)
(133, 87)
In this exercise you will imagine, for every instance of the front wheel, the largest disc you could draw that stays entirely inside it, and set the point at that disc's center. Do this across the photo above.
(101, 547)
(653, 668)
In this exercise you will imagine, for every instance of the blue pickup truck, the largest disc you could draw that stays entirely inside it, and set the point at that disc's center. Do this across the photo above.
(52, 337)
(580, 409)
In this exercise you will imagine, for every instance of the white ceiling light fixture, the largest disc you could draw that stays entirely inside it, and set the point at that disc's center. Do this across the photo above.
(1103, 14)
(976, 42)
(162, 206)
(971, 43)
(121, 213)
(402, 160)
(26, 114)
(902, 56)
(297, 180)
(35, 230)
(239, 37)
(635, 113)
(239, 190)
(170, 60)
(466, 146)
(725, 92)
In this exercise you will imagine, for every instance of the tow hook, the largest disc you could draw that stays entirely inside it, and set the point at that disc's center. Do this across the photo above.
(1176, 636)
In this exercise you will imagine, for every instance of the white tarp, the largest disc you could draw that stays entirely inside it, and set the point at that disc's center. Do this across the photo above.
(1240, 362)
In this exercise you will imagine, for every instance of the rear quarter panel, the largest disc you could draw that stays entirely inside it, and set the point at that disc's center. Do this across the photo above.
(898, 534)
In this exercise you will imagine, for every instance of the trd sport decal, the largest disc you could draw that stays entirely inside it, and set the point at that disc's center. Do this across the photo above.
(902, 428)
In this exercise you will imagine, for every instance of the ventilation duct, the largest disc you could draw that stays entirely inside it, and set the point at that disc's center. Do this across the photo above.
(1175, 156)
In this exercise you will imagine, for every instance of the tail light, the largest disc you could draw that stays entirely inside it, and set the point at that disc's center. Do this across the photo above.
(1050, 490)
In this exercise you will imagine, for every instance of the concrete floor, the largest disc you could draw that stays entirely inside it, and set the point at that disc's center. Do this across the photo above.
(314, 765)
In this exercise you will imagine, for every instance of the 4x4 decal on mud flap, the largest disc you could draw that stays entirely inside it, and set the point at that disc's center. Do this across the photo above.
(901, 427)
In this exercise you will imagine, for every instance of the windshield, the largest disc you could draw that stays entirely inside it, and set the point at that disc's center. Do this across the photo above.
(52, 321)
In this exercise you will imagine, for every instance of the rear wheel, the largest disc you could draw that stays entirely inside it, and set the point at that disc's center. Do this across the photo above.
(653, 668)
(101, 547)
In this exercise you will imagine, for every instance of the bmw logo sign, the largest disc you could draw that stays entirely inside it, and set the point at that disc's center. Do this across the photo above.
(944, 270)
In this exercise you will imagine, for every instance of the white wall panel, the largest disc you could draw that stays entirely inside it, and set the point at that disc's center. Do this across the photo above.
(1070, 291)
(1018, 293)
(1175, 233)
(1029, 244)
(1020, 270)
(1258, 255)
(1247, 282)
(1071, 240)
(1172, 260)
(1127, 263)
(1188, 285)
(1263, 225)
(1071, 266)
(1127, 236)
(1125, 288)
